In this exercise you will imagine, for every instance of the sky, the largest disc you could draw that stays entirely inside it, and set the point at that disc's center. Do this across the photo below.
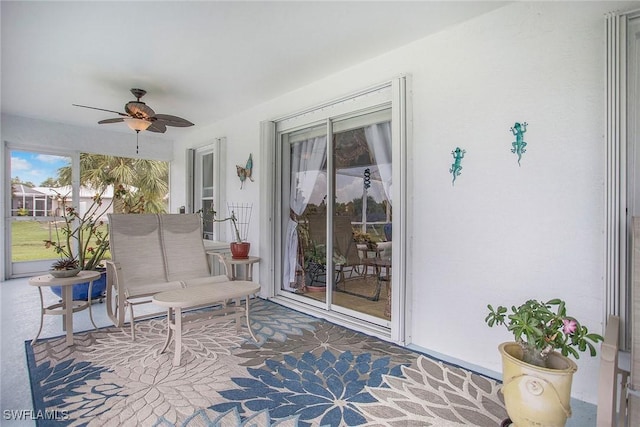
(36, 167)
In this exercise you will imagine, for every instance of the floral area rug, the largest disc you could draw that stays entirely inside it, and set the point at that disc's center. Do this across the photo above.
(303, 371)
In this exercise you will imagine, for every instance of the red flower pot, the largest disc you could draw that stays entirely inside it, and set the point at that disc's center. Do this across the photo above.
(240, 250)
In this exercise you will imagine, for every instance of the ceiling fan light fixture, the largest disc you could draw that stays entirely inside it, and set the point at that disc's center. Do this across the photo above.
(137, 124)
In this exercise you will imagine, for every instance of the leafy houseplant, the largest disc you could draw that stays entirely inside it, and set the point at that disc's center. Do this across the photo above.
(538, 330)
(363, 238)
(315, 257)
(80, 241)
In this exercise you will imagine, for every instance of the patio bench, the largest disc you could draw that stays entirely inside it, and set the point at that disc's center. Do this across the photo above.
(153, 253)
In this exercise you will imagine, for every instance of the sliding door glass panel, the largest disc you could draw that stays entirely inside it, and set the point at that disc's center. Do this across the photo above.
(34, 209)
(362, 214)
(305, 190)
(41, 184)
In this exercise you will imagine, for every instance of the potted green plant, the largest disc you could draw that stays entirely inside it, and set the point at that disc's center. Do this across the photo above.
(81, 240)
(537, 374)
(315, 258)
(364, 240)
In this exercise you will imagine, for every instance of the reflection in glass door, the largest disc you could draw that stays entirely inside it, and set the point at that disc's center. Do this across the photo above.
(338, 234)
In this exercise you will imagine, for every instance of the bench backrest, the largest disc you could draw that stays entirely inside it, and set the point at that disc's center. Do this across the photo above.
(152, 248)
(184, 254)
(134, 242)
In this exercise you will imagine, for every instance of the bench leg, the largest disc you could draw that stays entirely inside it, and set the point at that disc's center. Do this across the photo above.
(246, 310)
(237, 314)
(168, 340)
(133, 325)
(178, 338)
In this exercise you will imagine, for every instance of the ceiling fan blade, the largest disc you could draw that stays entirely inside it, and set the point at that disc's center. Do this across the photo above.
(173, 120)
(116, 120)
(102, 109)
(158, 127)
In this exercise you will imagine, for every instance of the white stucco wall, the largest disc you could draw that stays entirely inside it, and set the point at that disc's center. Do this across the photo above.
(503, 233)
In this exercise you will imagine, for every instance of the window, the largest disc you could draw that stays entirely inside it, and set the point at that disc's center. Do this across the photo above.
(204, 185)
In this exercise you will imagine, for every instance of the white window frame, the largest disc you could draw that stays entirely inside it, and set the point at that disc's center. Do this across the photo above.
(194, 180)
(622, 184)
(8, 270)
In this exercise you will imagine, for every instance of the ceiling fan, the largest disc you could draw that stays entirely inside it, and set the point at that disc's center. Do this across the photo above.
(138, 116)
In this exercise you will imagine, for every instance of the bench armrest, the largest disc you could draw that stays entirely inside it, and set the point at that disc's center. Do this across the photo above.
(115, 299)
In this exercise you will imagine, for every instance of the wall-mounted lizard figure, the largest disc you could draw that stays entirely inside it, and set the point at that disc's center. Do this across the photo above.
(456, 167)
(518, 145)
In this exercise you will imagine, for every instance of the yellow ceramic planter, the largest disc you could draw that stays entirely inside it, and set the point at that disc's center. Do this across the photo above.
(536, 396)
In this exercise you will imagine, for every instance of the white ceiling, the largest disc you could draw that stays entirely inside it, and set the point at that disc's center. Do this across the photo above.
(199, 60)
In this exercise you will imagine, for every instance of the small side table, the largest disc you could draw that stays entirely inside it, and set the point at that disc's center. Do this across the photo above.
(248, 267)
(67, 306)
(233, 263)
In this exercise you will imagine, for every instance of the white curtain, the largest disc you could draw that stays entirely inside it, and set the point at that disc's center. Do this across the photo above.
(307, 159)
(379, 142)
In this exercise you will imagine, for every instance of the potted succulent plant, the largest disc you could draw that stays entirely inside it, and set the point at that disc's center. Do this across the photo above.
(537, 374)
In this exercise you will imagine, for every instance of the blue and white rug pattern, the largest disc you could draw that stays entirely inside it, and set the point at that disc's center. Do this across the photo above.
(303, 372)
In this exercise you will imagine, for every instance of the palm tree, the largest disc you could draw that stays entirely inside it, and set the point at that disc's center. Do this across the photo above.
(150, 177)
(50, 182)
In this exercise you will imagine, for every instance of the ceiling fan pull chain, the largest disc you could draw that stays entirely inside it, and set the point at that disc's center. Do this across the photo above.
(137, 135)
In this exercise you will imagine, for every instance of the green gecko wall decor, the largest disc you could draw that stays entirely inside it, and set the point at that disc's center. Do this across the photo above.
(456, 167)
(518, 145)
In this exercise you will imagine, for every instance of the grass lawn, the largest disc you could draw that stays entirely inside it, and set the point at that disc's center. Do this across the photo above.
(27, 241)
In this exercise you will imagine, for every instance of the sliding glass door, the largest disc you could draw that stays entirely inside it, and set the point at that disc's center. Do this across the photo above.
(337, 192)
(34, 208)
(40, 180)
